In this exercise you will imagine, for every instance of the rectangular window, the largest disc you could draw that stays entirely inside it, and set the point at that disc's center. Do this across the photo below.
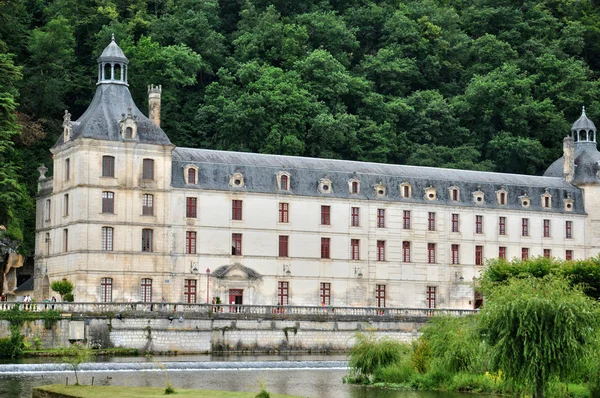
(48, 209)
(236, 210)
(147, 205)
(431, 297)
(108, 202)
(148, 169)
(406, 219)
(355, 217)
(191, 206)
(106, 290)
(478, 224)
(189, 291)
(146, 290)
(236, 244)
(406, 251)
(380, 295)
(355, 249)
(568, 254)
(547, 253)
(478, 255)
(147, 240)
(190, 242)
(325, 215)
(325, 253)
(502, 252)
(65, 240)
(66, 205)
(431, 253)
(501, 225)
(454, 222)
(283, 246)
(107, 239)
(284, 212)
(569, 229)
(546, 228)
(67, 169)
(108, 166)
(325, 293)
(380, 250)
(524, 253)
(454, 250)
(525, 227)
(47, 241)
(284, 182)
(431, 221)
(406, 191)
(380, 218)
(283, 292)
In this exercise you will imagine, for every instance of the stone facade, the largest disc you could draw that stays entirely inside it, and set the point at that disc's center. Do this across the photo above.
(127, 216)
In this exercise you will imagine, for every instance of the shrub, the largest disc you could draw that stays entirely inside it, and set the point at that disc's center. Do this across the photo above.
(421, 355)
(69, 297)
(468, 382)
(370, 353)
(62, 287)
(397, 373)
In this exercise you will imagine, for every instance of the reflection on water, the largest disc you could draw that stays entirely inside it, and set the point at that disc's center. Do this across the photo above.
(317, 383)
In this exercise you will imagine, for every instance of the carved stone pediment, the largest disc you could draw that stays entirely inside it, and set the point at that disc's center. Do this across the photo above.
(236, 271)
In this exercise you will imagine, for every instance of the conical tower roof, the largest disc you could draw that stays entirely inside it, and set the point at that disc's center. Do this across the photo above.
(583, 123)
(113, 53)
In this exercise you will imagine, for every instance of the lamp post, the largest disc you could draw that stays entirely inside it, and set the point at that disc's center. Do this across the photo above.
(207, 284)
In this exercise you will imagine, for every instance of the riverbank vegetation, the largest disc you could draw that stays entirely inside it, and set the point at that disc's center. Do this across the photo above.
(538, 334)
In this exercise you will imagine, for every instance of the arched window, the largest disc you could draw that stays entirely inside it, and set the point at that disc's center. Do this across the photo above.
(502, 198)
(128, 132)
(117, 72)
(354, 187)
(284, 182)
(191, 177)
(107, 72)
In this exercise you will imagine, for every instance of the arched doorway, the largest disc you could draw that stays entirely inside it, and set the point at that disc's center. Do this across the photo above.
(45, 288)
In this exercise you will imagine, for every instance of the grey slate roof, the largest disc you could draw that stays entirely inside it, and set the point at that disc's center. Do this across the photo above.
(101, 119)
(583, 123)
(25, 286)
(113, 52)
(259, 170)
(587, 164)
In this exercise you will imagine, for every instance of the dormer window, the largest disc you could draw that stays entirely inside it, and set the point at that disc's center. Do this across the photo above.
(501, 196)
(237, 180)
(128, 125)
(546, 200)
(454, 193)
(354, 186)
(405, 190)
(478, 197)
(525, 201)
(380, 190)
(283, 181)
(190, 174)
(325, 185)
(430, 193)
(569, 203)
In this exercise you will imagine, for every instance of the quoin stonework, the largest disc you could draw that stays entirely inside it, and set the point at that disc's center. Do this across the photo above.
(128, 216)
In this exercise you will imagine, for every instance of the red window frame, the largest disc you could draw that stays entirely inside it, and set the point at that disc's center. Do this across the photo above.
(502, 198)
(191, 177)
(546, 228)
(478, 224)
(454, 250)
(236, 244)
(380, 218)
(454, 222)
(148, 169)
(502, 252)
(284, 182)
(355, 217)
(525, 227)
(190, 242)
(569, 255)
(406, 219)
(431, 253)
(380, 250)
(569, 229)
(524, 253)
(108, 166)
(107, 234)
(325, 215)
(325, 293)
(431, 296)
(191, 207)
(284, 212)
(478, 255)
(283, 246)
(147, 204)
(501, 225)
(108, 202)
(325, 248)
(354, 187)
(406, 251)
(406, 189)
(431, 221)
(236, 209)
(283, 293)
(380, 295)
(106, 290)
(189, 290)
(547, 253)
(455, 195)
(146, 290)
(355, 249)
(147, 235)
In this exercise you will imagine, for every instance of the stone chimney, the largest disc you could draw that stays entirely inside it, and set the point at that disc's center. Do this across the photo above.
(569, 158)
(154, 103)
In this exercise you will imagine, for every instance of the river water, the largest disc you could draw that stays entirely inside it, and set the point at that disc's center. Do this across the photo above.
(306, 376)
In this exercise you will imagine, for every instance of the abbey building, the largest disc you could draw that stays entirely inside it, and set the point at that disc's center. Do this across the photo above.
(129, 216)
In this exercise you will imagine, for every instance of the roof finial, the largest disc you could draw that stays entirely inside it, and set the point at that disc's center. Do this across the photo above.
(583, 110)
(113, 37)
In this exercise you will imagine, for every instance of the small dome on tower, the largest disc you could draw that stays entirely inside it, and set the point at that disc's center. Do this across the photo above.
(583, 123)
(112, 65)
(113, 53)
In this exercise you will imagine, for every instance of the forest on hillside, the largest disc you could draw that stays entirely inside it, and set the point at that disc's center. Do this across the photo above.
(473, 84)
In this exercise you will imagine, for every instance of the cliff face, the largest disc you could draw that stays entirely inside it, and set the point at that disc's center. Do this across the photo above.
(10, 260)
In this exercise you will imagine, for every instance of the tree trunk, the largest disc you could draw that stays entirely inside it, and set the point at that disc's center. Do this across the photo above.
(539, 387)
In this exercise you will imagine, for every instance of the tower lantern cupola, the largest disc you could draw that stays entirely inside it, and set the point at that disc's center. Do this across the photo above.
(112, 65)
(583, 130)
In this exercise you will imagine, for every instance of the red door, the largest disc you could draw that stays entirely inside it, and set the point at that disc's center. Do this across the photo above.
(235, 297)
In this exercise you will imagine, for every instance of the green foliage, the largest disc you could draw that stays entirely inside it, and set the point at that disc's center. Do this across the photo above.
(75, 355)
(62, 287)
(369, 353)
(69, 297)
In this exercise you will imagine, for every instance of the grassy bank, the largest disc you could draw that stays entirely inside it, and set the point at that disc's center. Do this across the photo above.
(138, 392)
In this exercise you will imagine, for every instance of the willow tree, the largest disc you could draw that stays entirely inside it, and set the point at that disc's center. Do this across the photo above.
(538, 328)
